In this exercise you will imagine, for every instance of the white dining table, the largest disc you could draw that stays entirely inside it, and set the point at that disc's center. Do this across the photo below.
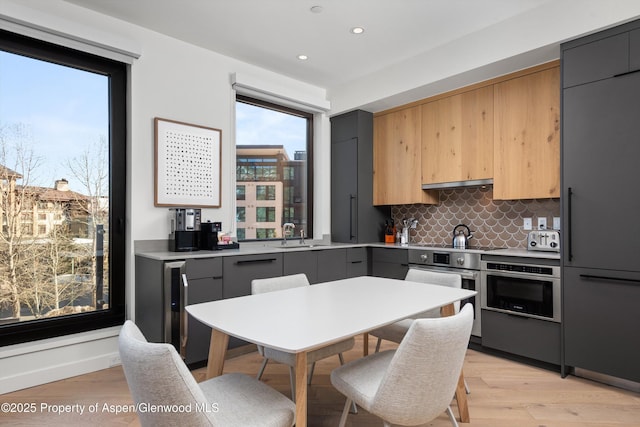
(302, 319)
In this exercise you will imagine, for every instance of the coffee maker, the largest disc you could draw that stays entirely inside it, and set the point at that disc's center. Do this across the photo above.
(209, 235)
(184, 226)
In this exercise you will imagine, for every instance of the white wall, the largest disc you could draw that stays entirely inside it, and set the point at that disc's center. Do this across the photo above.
(171, 80)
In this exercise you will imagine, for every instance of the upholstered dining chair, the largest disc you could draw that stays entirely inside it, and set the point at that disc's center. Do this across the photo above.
(156, 375)
(259, 286)
(396, 331)
(415, 383)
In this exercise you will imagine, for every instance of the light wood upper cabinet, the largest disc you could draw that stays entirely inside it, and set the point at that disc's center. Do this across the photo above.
(457, 137)
(396, 159)
(527, 136)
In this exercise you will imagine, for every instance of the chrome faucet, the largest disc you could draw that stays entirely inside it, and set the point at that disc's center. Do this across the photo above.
(302, 236)
(286, 227)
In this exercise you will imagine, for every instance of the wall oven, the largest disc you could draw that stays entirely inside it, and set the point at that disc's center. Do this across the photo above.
(466, 263)
(521, 288)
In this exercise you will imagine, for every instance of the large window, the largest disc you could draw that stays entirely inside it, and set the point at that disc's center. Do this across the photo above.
(62, 190)
(273, 143)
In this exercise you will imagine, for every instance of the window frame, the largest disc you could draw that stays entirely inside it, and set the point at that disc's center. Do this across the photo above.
(37, 329)
(309, 152)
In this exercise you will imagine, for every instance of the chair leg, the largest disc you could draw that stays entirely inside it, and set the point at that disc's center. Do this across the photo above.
(452, 417)
(354, 408)
(345, 413)
(378, 345)
(313, 366)
(264, 365)
(292, 379)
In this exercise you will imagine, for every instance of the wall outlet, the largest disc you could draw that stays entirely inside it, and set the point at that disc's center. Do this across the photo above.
(527, 223)
(556, 223)
(542, 223)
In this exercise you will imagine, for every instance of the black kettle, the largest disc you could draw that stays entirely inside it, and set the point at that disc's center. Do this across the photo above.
(460, 238)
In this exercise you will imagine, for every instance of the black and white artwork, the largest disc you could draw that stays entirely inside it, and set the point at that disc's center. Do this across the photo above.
(187, 164)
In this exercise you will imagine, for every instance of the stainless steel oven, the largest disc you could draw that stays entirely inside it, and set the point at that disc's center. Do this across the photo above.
(466, 263)
(522, 288)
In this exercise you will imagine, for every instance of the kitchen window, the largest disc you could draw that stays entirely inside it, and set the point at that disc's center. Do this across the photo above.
(273, 146)
(62, 158)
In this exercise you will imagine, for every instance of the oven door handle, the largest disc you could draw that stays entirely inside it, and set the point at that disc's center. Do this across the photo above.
(465, 274)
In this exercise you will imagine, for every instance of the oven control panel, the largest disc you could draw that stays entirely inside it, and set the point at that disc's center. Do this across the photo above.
(544, 240)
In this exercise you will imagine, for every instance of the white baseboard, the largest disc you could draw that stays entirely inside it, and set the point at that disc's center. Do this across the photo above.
(32, 364)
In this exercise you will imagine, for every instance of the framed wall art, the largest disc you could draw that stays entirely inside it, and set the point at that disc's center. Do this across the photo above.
(187, 164)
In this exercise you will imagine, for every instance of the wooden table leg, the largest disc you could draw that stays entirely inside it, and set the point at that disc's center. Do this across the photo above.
(217, 352)
(461, 392)
(301, 389)
(365, 344)
(461, 398)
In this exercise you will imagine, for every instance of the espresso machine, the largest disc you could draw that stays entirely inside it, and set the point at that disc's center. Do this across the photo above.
(209, 235)
(185, 227)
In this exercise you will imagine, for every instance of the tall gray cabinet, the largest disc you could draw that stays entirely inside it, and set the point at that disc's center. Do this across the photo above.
(354, 219)
(601, 202)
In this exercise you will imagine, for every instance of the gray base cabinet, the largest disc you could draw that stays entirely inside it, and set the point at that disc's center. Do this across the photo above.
(391, 263)
(524, 336)
(239, 271)
(602, 321)
(205, 284)
(357, 262)
(149, 293)
(305, 262)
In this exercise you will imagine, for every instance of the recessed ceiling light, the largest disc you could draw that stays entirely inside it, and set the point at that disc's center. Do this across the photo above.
(303, 57)
(357, 30)
(316, 9)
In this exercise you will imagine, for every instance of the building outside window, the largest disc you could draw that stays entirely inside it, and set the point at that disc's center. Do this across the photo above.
(240, 192)
(273, 146)
(241, 213)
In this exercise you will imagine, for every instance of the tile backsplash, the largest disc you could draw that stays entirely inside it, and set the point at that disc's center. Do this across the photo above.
(494, 223)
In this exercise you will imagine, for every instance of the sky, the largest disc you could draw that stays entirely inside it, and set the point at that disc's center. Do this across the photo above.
(257, 126)
(63, 110)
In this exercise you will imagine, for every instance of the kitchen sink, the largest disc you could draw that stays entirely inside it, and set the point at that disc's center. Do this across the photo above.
(295, 246)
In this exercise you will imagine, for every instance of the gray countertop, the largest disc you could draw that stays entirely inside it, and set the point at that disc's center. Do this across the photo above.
(154, 250)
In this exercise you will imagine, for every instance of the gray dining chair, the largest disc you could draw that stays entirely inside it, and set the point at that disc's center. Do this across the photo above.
(156, 375)
(395, 332)
(259, 286)
(415, 383)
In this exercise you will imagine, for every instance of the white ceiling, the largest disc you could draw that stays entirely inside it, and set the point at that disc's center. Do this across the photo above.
(271, 33)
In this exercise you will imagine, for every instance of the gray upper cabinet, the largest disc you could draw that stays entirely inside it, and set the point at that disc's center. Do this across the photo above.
(579, 64)
(601, 56)
(354, 219)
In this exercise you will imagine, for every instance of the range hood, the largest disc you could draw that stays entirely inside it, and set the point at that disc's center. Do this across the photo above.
(458, 184)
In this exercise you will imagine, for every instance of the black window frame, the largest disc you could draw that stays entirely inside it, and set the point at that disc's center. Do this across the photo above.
(309, 151)
(114, 315)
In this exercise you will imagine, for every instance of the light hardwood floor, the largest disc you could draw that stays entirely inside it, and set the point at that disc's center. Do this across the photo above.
(504, 393)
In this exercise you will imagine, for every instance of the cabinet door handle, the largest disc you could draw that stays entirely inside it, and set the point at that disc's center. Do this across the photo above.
(626, 73)
(352, 197)
(256, 261)
(569, 247)
(356, 262)
(184, 317)
(615, 279)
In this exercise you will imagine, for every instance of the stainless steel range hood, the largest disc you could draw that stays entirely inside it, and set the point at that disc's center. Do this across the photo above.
(458, 184)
